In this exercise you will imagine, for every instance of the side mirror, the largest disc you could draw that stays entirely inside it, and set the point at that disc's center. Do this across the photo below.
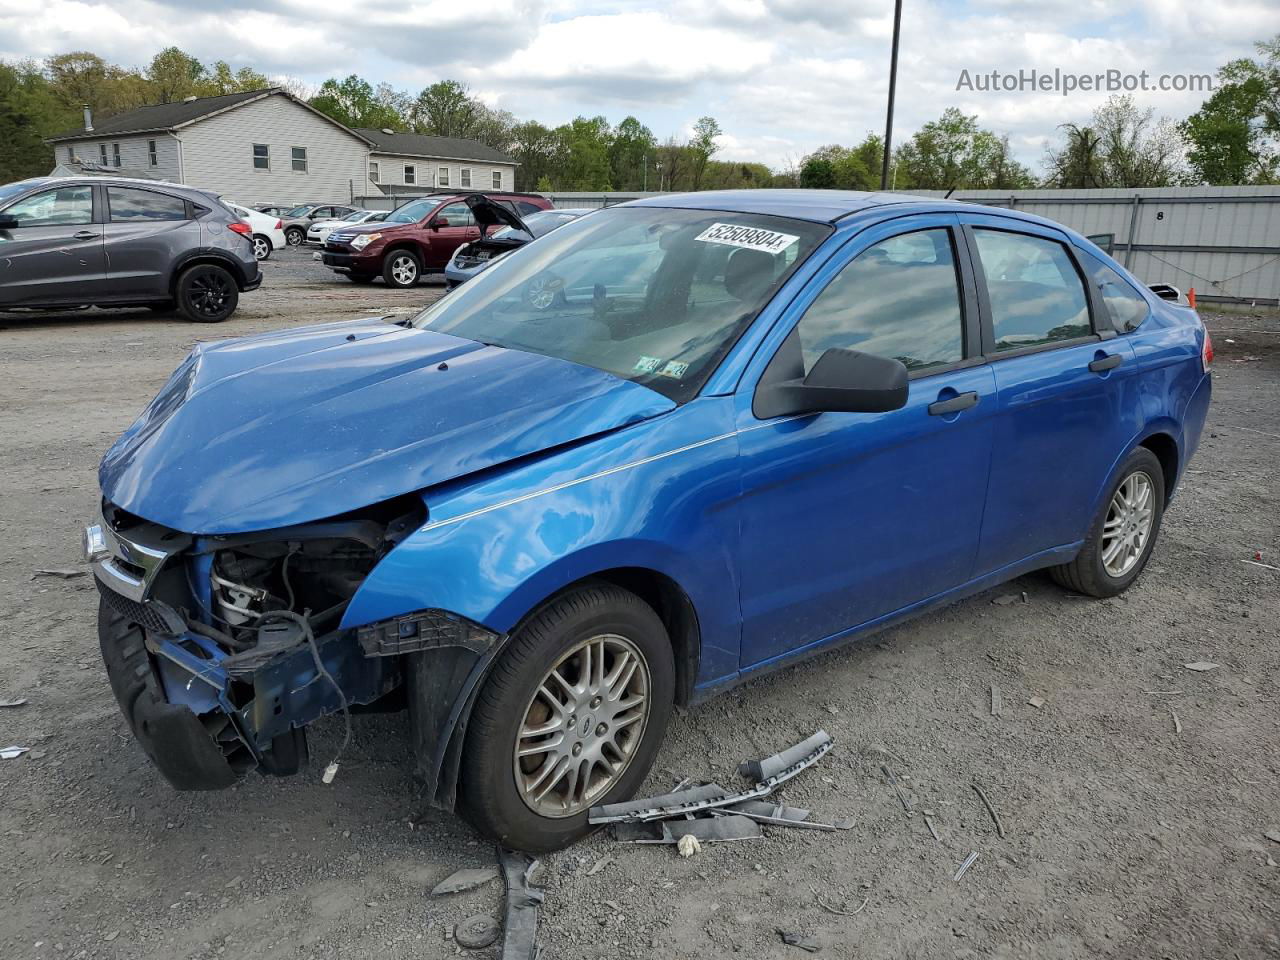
(842, 381)
(8, 223)
(439, 222)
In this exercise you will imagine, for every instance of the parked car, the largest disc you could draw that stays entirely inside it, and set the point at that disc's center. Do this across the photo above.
(268, 230)
(552, 511)
(319, 230)
(417, 238)
(299, 218)
(277, 210)
(117, 242)
(470, 258)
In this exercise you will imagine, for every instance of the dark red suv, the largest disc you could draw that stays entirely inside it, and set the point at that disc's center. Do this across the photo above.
(420, 236)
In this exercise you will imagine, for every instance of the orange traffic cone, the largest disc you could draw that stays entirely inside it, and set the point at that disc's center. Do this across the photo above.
(1191, 297)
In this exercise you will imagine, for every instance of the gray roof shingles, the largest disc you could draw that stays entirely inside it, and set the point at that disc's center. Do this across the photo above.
(161, 116)
(420, 145)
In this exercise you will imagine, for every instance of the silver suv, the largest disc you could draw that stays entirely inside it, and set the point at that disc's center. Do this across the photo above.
(116, 242)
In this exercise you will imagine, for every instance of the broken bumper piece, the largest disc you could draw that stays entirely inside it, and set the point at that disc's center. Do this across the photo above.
(773, 771)
(719, 829)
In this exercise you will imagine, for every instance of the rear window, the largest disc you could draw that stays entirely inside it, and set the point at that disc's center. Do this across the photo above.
(1125, 306)
(128, 205)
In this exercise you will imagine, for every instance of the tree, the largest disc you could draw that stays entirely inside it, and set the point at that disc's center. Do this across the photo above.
(954, 152)
(702, 147)
(1235, 135)
(219, 79)
(174, 75)
(353, 102)
(1122, 146)
(446, 109)
(583, 148)
(672, 164)
(818, 173)
(629, 153)
(534, 148)
(1078, 162)
(29, 111)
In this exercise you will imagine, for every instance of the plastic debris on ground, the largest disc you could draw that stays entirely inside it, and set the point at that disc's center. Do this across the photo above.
(467, 879)
(12, 753)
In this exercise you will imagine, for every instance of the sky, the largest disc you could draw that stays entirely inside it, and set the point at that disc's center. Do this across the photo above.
(783, 77)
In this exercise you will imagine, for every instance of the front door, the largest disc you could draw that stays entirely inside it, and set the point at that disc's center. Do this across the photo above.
(1066, 405)
(54, 254)
(849, 517)
(453, 225)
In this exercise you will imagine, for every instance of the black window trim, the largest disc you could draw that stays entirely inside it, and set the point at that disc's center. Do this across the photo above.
(1095, 293)
(1092, 296)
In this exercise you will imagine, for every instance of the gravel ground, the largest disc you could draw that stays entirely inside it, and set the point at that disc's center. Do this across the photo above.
(1125, 836)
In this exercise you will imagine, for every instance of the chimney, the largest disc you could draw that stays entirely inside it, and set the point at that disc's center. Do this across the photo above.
(88, 119)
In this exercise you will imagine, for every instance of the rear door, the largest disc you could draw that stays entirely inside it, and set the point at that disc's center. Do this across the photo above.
(145, 230)
(451, 227)
(54, 254)
(850, 517)
(1065, 404)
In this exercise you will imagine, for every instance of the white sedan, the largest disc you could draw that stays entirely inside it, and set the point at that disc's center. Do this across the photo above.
(268, 230)
(319, 231)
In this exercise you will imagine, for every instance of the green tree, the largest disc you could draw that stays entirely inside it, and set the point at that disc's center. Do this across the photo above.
(1235, 135)
(174, 75)
(534, 148)
(702, 147)
(353, 102)
(219, 79)
(583, 148)
(818, 173)
(954, 152)
(29, 111)
(544, 184)
(630, 151)
(1122, 146)
(446, 109)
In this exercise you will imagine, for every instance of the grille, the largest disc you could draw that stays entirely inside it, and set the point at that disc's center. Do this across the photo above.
(139, 613)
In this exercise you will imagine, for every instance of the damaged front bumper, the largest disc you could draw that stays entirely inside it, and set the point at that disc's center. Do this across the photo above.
(209, 702)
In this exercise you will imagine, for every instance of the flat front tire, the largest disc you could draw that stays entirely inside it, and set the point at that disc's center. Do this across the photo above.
(1123, 534)
(207, 293)
(572, 716)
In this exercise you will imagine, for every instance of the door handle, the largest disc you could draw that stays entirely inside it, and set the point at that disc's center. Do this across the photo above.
(85, 235)
(1109, 362)
(961, 401)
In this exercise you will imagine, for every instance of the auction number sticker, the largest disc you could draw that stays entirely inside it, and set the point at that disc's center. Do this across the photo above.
(748, 238)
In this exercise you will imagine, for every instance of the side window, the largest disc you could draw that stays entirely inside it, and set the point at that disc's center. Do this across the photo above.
(131, 205)
(526, 208)
(1124, 305)
(899, 298)
(1036, 294)
(61, 207)
(458, 215)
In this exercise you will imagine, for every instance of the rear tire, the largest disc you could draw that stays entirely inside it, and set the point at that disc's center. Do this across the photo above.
(261, 247)
(1121, 538)
(401, 269)
(206, 293)
(604, 744)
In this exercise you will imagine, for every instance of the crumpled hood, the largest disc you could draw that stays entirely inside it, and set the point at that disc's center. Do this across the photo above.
(311, 422)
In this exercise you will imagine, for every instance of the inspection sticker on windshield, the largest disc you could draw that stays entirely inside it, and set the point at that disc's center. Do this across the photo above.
(749, 238)
(647, 364)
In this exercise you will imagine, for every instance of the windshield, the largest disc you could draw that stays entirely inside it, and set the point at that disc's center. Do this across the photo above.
(354, 217)
(11, 190)
(412, 212)
(540, 223)
(301, 211)
(649, 294)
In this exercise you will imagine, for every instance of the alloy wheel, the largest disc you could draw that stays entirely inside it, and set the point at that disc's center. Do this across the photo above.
(209, 293)
(1128, 524)
(404, 270)
(582, 726)
(261, 249)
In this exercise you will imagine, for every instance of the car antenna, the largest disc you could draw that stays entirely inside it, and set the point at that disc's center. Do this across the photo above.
(949, 193)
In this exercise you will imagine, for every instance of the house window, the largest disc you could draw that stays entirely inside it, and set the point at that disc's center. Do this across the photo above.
(442, 177)
(410, 175)
(300, 159)
(115, 154)
(497, 179)
(71, 154)
(466, 176)
(373, 172)
(261, 156)
(102, 152)
(152, 157)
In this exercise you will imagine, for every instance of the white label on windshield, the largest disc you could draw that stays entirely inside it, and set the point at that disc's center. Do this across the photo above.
(749, 238)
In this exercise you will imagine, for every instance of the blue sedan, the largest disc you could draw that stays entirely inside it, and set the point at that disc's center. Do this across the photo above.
(668, 447)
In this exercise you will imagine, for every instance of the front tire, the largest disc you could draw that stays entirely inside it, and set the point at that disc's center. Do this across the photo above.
(1124, 532)
(572, 716)
(207, 293)
(401, 269)
(295, 236)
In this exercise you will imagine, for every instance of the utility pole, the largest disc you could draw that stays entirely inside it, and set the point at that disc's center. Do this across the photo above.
(893, 84)
(645, 188)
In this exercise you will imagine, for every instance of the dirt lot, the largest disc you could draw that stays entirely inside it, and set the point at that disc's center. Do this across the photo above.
(1124, 837)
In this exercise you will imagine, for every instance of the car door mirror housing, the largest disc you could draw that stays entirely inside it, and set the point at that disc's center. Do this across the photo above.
(8, 223)
(842, 381)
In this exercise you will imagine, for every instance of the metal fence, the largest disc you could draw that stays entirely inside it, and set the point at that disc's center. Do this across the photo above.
(1223, 241)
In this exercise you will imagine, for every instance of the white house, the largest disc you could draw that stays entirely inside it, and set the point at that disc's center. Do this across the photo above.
(269, 146)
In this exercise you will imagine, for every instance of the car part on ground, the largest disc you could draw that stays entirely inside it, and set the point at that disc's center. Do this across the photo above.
(708, 830)
(136, 244)
(520, 920)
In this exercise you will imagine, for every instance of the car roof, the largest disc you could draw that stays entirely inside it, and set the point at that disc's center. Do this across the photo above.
(820, 206)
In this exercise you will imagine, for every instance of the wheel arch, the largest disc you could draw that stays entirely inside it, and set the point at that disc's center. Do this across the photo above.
(214, 259)
(1165, 447)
